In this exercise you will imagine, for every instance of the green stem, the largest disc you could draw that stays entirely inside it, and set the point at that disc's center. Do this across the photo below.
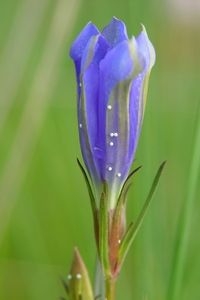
(99, 281)
(110, 289)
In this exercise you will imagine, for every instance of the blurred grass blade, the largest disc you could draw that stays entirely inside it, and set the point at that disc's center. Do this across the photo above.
(44, 82)
(14, 60)
(134, 227)
(183, 232)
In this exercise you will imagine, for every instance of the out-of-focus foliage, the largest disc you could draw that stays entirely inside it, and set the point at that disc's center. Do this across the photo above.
(44, 206)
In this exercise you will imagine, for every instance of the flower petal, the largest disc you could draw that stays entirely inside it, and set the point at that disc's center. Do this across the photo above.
(146, 49)
(88, 103)
(94, 51)
(115, 32)
(147, 52)
(135, 111)
(80, 43)
(117, 71)
(139, 88)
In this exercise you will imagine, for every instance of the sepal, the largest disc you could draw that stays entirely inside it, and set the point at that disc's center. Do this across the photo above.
(125, 188)
(118, 224)
(92, 199)
(90, 191)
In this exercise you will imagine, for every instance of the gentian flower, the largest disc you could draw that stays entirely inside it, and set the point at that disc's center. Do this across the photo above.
(112, 77)
(112, 73)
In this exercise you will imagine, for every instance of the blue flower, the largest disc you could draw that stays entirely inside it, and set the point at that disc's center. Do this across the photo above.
(112, 77)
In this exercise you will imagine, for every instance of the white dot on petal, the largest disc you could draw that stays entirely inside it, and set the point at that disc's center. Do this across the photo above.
(111, 134)
(109, 107)
(111, 144)
(115, 134)
(80, 125)
(69, 277)
(78, 276)
(119, 174)
(110, 168)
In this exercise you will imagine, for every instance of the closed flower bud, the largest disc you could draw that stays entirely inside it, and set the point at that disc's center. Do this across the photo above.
(112, 77)
(78, 282)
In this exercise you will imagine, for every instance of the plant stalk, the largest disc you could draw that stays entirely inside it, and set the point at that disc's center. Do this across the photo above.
(99, 281)
(109, 289)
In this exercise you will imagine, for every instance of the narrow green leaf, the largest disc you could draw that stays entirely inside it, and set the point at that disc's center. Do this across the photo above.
(92, 198)
(103, 232)
(134, 227)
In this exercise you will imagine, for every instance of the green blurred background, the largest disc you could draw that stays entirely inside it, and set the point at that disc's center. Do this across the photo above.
(44, 206)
